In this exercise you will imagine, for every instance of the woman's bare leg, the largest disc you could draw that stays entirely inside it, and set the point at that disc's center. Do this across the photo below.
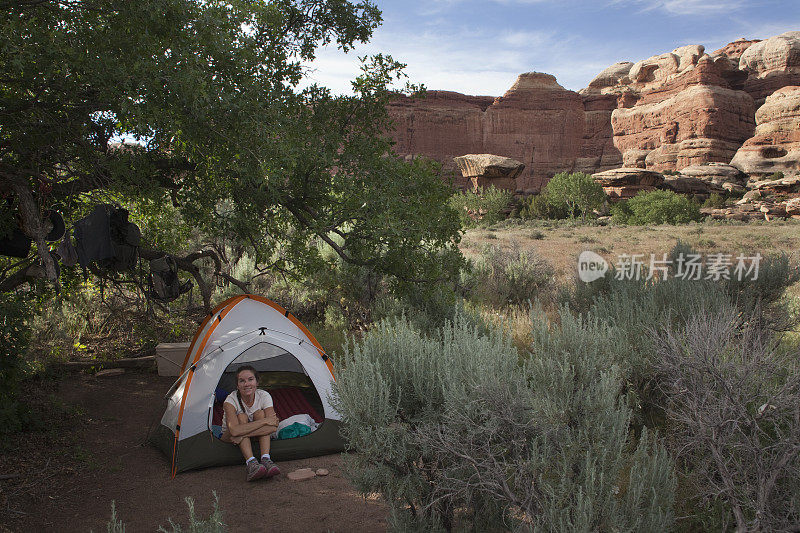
(263, 436)
(244, 444)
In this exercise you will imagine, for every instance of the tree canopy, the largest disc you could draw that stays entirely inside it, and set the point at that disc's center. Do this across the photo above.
(578, 191)
(206, 95)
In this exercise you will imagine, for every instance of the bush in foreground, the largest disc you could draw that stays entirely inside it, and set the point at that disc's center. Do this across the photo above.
(454, 432)
(734, 398)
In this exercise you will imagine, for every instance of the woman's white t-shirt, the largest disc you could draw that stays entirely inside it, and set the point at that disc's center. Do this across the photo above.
(262, 401)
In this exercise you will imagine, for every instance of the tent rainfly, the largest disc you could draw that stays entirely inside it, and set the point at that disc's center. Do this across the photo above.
(252, 330)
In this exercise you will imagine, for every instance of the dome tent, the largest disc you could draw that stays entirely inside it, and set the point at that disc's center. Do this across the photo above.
(252, 330)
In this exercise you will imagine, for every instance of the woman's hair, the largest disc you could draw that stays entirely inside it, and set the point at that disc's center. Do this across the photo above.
(246, 367)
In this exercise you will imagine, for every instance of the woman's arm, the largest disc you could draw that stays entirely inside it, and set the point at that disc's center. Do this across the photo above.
(237, 428)
(271, 416)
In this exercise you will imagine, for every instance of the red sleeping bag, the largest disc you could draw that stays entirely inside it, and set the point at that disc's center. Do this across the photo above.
(288, 401)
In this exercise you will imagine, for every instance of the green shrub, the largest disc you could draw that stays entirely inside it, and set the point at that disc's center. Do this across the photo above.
(539, 206)
(455, 435)
(657, 207)
(715, 201)
(776, 176)
(502, 277)
(577, 191)
(390, 383)
(482, 208)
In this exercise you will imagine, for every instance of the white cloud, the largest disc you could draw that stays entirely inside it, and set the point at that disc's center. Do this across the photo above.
(472, 61)
(686, 7)
(527, 38)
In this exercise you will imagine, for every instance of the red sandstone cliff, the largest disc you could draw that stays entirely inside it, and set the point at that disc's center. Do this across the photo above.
(669, 111)
(537, 122)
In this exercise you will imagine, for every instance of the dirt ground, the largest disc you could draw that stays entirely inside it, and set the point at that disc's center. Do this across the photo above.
(64, 477)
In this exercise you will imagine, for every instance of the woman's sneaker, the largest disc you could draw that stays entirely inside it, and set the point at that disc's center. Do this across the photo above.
(270, 467)
(255, 470)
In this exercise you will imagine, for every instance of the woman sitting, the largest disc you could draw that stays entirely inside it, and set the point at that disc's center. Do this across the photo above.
(248, 413)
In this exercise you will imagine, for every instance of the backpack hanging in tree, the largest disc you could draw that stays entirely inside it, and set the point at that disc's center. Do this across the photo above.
(106, 237)
(164, 282)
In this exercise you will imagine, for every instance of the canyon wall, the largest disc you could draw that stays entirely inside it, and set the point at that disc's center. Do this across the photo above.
(667, 112)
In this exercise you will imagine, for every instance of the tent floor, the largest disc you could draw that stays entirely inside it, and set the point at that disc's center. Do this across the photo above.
(204, 450)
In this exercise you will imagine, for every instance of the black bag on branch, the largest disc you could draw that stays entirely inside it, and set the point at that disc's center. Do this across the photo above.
(107, 238)
(15, 244)
(164, 282)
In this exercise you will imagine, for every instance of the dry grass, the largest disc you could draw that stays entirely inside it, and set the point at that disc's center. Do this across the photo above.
(560, 245)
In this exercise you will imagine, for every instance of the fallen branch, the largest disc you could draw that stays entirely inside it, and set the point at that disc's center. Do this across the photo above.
(129, 362)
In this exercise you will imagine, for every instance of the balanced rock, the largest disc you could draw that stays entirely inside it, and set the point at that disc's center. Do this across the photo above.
(667, 112)
(483, 170)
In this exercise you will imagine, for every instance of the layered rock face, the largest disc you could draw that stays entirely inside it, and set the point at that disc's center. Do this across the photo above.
(776, 144)
(676, 109)
(537, 122)
(441, 125)
(664, 113)
(771, 64)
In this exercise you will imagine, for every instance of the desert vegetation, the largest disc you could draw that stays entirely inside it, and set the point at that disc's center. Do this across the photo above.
(482, 386)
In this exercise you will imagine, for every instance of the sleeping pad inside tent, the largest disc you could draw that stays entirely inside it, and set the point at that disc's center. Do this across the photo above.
(292, 367)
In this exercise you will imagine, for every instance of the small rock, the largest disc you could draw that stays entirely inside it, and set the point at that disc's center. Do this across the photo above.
(322, 472)
(110, 372)
(733, 187)
(301, 474)
(751, 195)
(793, 207)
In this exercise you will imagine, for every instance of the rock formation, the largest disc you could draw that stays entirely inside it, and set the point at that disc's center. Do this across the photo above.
(776, 144)
(717, 174)
(484, 170)
(623, 183)
(668, 112)
(537, 122)
(771, 64)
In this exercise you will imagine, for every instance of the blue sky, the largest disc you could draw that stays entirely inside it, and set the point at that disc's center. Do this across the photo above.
(479, 48)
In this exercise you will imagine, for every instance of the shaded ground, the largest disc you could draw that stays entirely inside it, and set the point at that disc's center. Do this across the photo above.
(93, 451)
